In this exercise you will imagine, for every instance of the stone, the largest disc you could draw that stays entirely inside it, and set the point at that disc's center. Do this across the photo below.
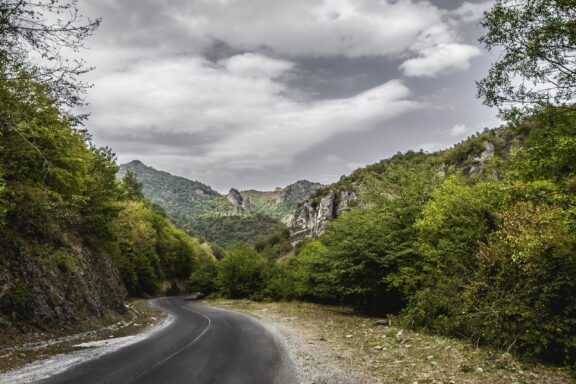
(235, 198)
(312, 217)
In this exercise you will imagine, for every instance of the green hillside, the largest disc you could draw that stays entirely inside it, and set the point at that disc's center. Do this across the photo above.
(475, 241)
(74, 241)
(202, 211)
(281, 203)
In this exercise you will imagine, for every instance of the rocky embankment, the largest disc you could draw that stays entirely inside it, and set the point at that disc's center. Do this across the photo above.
(312, 216)
(47, 287)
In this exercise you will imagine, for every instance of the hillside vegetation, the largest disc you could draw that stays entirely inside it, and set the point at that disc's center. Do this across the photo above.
(74, 241)
(204, 212)
(457, 242)
(281, 203)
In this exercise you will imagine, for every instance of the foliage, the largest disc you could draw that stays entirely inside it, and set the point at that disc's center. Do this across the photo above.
(65, 262)
(549, 152)
(311, 273)
(365, 255)
(204, 279)
(481, 249)
(537, 44)
(275, 246)
(30, 30)
(132, 186)
(524, 292)
(152, 250)
(243, 273)
(201, 210)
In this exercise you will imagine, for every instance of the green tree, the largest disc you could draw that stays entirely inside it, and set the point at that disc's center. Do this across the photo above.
(204, 278)
(454, 224)
(132, 186)
(523, 294)
(536, 44)
(549, 151)
(243, 273)
(45, 29)
(311, 272)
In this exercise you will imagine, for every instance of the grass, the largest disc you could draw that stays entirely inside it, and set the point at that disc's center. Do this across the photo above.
(368, 352)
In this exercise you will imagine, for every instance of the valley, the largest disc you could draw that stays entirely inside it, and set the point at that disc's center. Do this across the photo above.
(246, 216)
(435, 242)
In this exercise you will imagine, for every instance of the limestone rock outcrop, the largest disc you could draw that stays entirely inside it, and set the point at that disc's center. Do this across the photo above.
(312, 217)
(235, 198)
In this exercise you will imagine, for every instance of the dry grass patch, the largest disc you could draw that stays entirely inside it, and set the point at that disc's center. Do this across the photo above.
(333, 345)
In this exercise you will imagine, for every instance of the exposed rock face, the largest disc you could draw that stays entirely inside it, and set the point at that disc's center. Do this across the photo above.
(246, 206)
(59, 288)
(296, 192)
(487, 154)
(312, 217)
(235, 198)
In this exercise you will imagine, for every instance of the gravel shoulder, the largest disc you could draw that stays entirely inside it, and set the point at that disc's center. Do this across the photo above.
(332, 345)
(19, 349)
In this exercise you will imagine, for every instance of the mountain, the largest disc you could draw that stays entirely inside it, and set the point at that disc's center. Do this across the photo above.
(246, 216)
(281, 203)
(169, 191)
(312, 215)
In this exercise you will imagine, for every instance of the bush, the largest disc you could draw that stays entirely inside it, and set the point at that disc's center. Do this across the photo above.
(524, 292)
(204, 279)
(243, 273)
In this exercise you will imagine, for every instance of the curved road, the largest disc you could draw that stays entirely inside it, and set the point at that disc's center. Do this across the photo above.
(202, 345)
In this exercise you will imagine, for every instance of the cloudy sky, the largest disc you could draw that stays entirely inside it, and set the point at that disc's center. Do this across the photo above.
(261, 93)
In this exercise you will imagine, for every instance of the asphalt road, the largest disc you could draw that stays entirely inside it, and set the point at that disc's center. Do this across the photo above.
(202, 345)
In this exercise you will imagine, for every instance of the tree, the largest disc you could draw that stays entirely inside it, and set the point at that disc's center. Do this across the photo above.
(536, 43)
(243, 273)
(132, 186)
(33, 37)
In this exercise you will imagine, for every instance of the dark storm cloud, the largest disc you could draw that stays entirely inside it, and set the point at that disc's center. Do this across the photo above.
(259, 93)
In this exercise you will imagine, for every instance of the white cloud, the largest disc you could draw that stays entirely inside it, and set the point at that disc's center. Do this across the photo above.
(253, 65)
(460, 130)
(221, 116)
(331, 158)
(351, 28)
(471, 12)
(440, 59)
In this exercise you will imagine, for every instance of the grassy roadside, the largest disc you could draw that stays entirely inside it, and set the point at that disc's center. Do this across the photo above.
(18, 349)
(334, 345)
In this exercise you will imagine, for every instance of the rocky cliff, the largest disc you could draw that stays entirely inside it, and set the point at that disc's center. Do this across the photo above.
(312, 216)
(56, 285)
(238, 201)
(281, 203)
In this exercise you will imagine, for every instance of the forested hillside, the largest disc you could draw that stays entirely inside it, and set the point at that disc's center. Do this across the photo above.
(475, 241)
(73, 240)
(222, 220)
(281, 203)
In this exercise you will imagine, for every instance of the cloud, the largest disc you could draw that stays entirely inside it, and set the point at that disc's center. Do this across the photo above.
(440, 59)
(351, 28)
(471, 12)
(231, 115)
(459, 130)
(238, 91)
(253, 65)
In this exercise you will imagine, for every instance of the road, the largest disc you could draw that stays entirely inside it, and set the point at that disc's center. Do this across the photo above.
(202, 345)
